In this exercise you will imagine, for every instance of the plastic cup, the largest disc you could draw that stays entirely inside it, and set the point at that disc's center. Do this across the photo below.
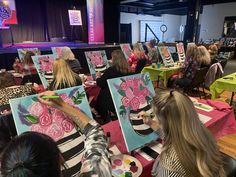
(158, 65)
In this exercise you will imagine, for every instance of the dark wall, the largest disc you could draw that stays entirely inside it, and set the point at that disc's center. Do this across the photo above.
(112, 21)
(40, 20)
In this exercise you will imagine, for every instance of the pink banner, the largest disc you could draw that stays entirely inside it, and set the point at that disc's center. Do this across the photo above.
(95, 22)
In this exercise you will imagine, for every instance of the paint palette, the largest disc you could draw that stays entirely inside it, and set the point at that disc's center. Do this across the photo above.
(125, 166)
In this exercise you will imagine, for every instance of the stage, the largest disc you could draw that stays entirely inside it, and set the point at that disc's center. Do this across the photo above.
(9, 52)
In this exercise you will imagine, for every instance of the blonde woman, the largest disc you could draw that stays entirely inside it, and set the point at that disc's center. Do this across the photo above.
(203, 56)
(63, 76)
(189, 149)
(137, 59)
(68, 55)
(119, 68)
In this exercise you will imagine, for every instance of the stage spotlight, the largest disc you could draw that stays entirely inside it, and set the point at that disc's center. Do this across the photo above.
(5, 2)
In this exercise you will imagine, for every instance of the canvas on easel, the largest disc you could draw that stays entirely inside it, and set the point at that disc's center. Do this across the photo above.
(56, 51)
(181, 53)
(97, 61)
(22, 52)
(44, 67)
(31, 115)
(131, 95)
(126, 49)
(166, 56)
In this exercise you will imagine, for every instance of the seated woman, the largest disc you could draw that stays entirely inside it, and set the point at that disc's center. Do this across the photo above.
(69, 57)
(203, 56)
(191, 64)
(63, 76)
(27, 67)
(189, 149)
(119, 68)
(137, 59)
(213, 50)
(152, 51)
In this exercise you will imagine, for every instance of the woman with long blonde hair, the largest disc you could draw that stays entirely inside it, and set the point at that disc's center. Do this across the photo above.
(203, 56)
(119, 68)
(63, 76)
(189, 149)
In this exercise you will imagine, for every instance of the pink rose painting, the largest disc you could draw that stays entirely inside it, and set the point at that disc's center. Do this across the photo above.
(31, 115)
(97, 61)
(131, 95)
(134, 93)
(126, 50)
(181, 53)
(46, 64)
(48, 120)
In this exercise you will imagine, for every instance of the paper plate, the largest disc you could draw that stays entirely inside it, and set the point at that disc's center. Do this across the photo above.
(123, 163)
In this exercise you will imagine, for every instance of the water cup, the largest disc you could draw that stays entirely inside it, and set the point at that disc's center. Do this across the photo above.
(158, 65)
(154, 65)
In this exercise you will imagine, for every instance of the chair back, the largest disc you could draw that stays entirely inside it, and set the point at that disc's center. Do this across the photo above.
(199, 77)
(229, 165)
(223, 63)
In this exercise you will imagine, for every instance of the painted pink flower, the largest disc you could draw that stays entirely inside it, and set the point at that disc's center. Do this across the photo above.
(58, 116)
(58, 51)
(46, 67)
(123, 86)
(38, 128)
(125, 101)
(67, 125)
(45, 119)
(137, 91)
(136, 82)
(67, 99)
(129, 94)
(134, 103)
(142, 99)
(129, 82)
(55, 131)
(146, 92)
(37, 109)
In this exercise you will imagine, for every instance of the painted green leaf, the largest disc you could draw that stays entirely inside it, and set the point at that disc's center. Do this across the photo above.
(35, 99)
(141, 87)
(121, 92)
(123, 80)
(31, 119)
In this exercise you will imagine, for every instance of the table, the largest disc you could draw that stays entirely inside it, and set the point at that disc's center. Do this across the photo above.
(163, 72)
(224, 84)
(222, 123)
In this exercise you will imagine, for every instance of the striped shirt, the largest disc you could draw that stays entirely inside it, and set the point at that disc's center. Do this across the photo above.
(96, 162)
(169, 166)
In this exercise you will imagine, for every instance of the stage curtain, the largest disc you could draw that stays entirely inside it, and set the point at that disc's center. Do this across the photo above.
(30, 23)
(112, 21)
(40, 20)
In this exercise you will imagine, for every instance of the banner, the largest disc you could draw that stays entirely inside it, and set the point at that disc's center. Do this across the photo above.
(75, 17)
(7, 12)
(95, 21)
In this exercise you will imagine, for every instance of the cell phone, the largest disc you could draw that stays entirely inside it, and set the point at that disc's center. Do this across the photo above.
(228, 78)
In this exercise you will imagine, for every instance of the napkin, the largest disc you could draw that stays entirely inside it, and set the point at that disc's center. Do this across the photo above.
(219, 105)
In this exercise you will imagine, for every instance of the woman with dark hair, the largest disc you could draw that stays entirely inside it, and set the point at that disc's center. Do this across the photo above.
(119, 68)
(31, 155)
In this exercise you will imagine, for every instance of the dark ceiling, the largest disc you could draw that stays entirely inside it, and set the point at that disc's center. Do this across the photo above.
(159, 7)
